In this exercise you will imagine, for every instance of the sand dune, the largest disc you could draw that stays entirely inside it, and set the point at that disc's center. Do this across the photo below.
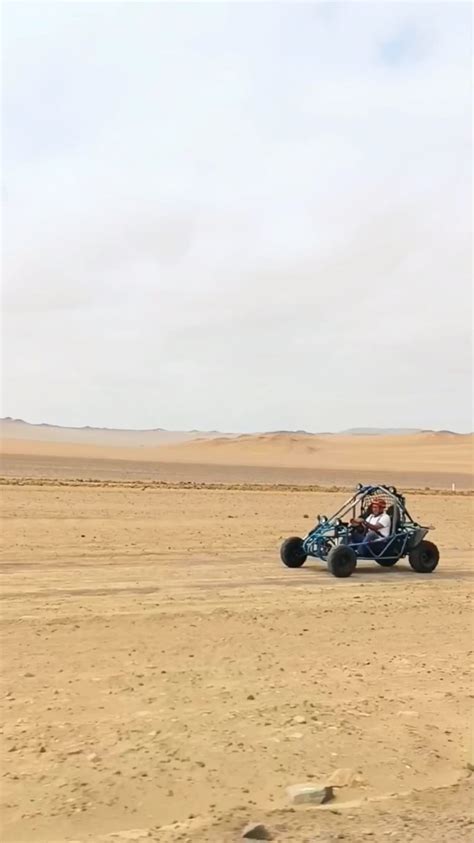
(421, 452)
(86, 451)
(431, 458)
(417, 452)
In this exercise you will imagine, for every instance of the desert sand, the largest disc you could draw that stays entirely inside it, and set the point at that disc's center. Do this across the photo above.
(418, 460)
(164, 677)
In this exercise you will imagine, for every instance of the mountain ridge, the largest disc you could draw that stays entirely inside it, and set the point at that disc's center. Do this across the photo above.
(198, 434)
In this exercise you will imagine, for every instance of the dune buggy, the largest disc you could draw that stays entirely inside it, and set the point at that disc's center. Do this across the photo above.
(335, 541)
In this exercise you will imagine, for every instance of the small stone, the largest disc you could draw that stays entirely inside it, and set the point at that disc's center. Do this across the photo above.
(93, 756)
(407, 713)
(342, 777)
(250, 697)
(28, 675)
(257, 831)
(309, 794)
(298, 718)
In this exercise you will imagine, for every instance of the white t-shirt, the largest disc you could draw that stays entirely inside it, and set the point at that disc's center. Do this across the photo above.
(384, 520)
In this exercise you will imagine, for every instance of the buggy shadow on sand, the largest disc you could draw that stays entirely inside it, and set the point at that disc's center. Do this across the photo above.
(333, 540)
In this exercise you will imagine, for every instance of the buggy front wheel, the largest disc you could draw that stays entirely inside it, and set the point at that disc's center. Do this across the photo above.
(342, 561)
(424, 557)
(292, 553)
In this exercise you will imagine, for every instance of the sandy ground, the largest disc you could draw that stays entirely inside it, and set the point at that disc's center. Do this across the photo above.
(166, 678)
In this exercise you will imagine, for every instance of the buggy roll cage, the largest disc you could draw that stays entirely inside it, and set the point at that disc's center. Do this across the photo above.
(362, 492)
(405, 533)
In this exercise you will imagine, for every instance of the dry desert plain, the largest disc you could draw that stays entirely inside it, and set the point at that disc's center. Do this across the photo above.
(165, 678)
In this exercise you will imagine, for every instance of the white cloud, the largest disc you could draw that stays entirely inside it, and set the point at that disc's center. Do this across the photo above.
(216, 214)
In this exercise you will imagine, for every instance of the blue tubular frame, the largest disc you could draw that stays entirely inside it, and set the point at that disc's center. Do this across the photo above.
(330, 532)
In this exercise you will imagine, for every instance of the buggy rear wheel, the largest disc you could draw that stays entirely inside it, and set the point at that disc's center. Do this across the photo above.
(342, 561)
(386, 563)
(292, 553)
(424, 557)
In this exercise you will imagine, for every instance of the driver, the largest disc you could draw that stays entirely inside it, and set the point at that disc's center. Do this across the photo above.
(375, 526)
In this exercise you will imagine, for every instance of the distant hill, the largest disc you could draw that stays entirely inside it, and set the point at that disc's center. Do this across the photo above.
(18, 429)
(154, 437)
(381, 431)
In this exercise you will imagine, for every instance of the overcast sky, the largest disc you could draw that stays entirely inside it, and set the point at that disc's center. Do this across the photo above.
(244, 216)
